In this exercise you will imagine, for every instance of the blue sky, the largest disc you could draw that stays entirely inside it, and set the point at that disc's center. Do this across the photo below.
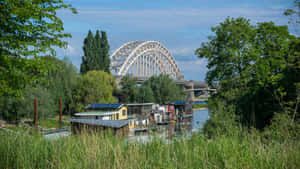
(180, 25)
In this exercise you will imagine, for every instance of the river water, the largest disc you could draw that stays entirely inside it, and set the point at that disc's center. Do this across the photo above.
(165, 132)
(200, 117)
(178, 130)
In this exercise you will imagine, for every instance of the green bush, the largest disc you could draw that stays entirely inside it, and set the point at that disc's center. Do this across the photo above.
(222, 121)
(282, 129)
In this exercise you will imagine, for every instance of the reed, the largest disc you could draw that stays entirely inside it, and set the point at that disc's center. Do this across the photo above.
(98, 151)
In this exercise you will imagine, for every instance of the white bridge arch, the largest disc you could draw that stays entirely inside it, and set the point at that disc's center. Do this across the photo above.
(143, 59)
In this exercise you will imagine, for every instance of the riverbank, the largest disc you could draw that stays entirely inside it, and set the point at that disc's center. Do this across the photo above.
(96, 151)
(199, 106)
(202, 108)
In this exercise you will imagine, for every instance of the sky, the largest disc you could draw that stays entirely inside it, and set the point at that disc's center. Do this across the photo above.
(180, 25)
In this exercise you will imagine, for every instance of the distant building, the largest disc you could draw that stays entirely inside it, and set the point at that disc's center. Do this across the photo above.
(176, 107)
(140, 109)
(104, 112)
(178, 110)
(118, 127)
(108, 112)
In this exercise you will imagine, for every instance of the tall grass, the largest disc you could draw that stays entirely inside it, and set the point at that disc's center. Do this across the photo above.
(96, 151)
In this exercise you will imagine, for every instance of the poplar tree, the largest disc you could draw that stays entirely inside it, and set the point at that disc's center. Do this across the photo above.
(96, 53)
(105, 51)
(86, 64)
(98, 58)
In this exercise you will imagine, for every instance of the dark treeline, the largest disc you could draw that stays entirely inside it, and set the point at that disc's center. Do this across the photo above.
(58, 82)
(157, 89)
(258, 72)
(61, 80)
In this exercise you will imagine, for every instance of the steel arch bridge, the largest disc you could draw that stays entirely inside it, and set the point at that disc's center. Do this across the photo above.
(143, 59)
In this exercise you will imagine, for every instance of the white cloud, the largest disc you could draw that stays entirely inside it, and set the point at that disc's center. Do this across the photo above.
(192, 66)
(181, 29)
(184, 51)
(70, 51)
(171, 18)
(193, 70)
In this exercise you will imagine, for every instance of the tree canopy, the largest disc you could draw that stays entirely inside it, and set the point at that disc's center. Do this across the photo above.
(158, 89)
(257, 68)
(93, 87)
(96, 53)
(164, 89)
(129, 88)
(60, 79)
(29, 29)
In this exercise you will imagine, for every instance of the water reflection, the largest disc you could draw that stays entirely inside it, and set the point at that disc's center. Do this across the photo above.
(177, 130)
(200, 117)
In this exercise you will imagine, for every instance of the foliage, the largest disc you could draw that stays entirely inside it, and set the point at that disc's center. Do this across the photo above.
(222, 120)
(158, 89)
(281, 129)
(105, 51)
(9, 108)
(45, 99)
(29, 29)
(15, 109)
(93, 87)
(61, 77)
(294, 12)
(96, 151)
(96, 53)
(145, 94)
(257, 68)
(164, 89)
(129, 88)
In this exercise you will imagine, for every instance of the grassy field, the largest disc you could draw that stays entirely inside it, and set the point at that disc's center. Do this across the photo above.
(53, 123)
(198, 106)
(96, 151)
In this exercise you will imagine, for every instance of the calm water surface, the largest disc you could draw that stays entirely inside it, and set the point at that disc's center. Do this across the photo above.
(167, 132)
(200, 117)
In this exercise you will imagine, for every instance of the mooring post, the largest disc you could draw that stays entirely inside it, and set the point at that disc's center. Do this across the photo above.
(35, 112)
(60, 113)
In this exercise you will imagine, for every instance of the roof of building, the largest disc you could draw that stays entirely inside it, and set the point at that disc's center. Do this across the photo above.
(140, 104)
(177, 102)
(106, 123)
(103, 106)
(96, 113)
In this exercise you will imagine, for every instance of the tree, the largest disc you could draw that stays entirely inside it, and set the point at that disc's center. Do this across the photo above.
(61, 81)
(29, 29)
(60, 76)
(145, 94)
(46, 103)
(164, 89)
(129, 88)
(105, 50)
(251, 63)
(87, 59)
(228, 52)
(93, 87)
(295, 11)
(159, 89)
(96, 53)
